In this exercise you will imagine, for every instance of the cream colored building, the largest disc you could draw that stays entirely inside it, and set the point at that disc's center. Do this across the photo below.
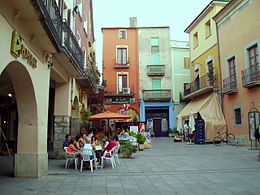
(43, 82)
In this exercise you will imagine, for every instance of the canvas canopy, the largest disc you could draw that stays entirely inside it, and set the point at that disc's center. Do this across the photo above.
(209, 108)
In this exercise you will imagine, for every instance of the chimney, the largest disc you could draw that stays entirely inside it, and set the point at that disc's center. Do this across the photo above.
(133, 22)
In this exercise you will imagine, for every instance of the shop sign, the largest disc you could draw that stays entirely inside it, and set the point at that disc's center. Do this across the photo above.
(120, 100)
(19, 49)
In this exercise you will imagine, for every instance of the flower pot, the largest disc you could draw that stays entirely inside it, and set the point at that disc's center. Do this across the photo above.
(126, 154)
(141, 147)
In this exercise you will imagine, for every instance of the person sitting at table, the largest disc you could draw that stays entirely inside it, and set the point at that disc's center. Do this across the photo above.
(84, 136)
(111, 144)
(88, 145)
(73, 151)
(90, 135)
(79, 142)
(117, 140)
(67, 141)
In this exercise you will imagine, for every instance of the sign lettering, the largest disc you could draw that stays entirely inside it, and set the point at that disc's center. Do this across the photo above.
(19, 49)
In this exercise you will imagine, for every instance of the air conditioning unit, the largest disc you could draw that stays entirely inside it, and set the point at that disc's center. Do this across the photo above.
(126, 90)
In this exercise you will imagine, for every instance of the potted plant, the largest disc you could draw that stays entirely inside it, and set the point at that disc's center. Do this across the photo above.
(211, 77)
(140, 140)
(85, 116)
(126, 148)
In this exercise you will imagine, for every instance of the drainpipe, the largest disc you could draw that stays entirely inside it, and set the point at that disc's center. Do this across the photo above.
(221, 94)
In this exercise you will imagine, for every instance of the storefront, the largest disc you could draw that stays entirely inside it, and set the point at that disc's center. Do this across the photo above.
(158, 116)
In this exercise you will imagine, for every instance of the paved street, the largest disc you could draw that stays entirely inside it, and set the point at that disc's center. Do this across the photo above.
(167, 168)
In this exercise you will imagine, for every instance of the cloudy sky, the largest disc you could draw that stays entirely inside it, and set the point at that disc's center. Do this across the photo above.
(177, 14)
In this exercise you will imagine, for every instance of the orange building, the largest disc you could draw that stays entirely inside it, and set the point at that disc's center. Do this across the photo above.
(120, 70)
(239, 45)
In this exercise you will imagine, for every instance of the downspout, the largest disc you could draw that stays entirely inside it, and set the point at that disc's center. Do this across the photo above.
(220, 91)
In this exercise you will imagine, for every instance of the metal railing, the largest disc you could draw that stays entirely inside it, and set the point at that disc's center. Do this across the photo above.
(53, 18)
(72, 46)
(230, 83)
(113, 89)
(157, 94)
(155, 69)
(251, 75)
(198, 84)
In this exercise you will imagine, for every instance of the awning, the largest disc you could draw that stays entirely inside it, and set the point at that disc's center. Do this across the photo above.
(209, 108)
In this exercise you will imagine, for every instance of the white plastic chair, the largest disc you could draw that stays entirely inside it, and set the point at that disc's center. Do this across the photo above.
(68, 159)
(109, 155)
(88, 155)
(116, 155)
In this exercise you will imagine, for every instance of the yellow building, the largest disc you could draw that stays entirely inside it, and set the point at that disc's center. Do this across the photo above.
(204, 70)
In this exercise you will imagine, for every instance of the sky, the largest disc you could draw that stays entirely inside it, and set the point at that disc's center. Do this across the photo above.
(177, 14)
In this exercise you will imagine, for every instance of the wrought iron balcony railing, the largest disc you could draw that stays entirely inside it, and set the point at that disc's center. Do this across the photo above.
(251, 76)
(198, 85)
(72, 46)
(157, 94)
(53, 18)
(155, 70)
(230, 85)
(121, 64)
(111, 90)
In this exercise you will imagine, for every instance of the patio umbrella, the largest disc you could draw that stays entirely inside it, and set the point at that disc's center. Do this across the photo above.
(109, 115)
(179, 124)
(191, 123)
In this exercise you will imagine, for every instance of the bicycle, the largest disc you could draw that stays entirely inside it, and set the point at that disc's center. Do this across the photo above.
(223, 137)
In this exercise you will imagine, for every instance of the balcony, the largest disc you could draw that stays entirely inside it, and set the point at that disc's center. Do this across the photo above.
(198, 87)
(155, 70)
(112, 91)
(157, 95)
(122, 65)
(230, 85)
(51, 14)
(251, 77)
(72, 47)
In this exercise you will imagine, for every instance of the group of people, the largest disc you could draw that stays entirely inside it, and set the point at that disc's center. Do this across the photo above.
(83, 141)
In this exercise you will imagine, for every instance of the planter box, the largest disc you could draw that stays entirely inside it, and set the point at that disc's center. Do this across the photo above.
(126, 154)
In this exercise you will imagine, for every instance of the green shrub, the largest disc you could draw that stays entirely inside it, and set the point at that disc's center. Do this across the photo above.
(140, 138)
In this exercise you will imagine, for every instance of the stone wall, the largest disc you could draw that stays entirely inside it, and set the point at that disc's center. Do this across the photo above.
(61, 128)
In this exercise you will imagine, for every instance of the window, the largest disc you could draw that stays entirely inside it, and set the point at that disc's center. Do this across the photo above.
(155, 45)
(122, 34)
(85, 59)
(253, 55)
(122, 83)
(207, 29)
(122, 56)
(155, 60)
(232, 71)
(238, 120)
(154, 41)
(186, 62)
(85, 25)
(79, 39)
(195, 40)
(156, 83)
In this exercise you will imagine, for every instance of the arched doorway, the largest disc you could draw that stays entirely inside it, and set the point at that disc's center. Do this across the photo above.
(27, 138)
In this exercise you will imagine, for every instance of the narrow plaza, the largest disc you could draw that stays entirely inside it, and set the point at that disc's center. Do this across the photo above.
(166, 168)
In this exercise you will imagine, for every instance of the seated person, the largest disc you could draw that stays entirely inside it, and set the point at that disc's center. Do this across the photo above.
(88, 145)
(67, 141)
(79, 142)
(72, 151)
(90, 135)
(112, 143)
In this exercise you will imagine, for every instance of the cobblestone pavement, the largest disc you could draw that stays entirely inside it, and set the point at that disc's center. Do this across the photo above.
(166, 168)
